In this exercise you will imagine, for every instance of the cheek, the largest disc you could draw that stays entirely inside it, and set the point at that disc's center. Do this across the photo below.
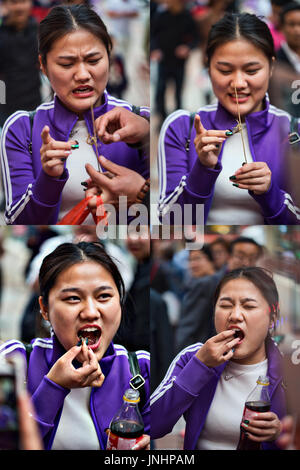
(220, 321)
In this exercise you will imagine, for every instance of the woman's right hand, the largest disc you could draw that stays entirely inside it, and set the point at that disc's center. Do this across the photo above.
(53, 154)
(88, 375)
(208, 143)
(218, 349)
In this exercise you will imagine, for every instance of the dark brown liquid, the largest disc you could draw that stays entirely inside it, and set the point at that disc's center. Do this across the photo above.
(259, 406)
(128, 429)
(245, 443)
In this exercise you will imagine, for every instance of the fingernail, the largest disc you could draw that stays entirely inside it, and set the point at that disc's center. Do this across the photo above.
(233, 350)
(243, 163)
(246, 421)
(229, 132)
(236, 185)
(217, 145)
(84, 183)
(233, 177)
(86, 341)
(75, 146)
(79, 342)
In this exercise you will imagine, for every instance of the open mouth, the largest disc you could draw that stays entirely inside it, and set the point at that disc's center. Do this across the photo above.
(238, 333)
(91, 334)
(84, 90)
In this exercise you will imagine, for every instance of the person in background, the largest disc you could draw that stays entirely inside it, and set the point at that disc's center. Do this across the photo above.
(173, 35)
(287, 68)
(201, 262)
(220, 252)
(196, 317)
(274, 22)
(135, 334)
(19, 69)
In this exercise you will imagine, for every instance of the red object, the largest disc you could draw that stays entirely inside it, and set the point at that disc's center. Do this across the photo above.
(79, 213)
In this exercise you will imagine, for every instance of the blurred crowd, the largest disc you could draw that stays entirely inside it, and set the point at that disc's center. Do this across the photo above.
(181, 27)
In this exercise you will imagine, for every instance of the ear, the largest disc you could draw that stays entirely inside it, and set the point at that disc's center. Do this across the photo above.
(42, 66)
(43, 310)
(272, 65)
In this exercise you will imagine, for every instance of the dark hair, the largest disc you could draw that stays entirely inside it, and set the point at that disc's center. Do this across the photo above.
(261, 278)
(234, 26)
(207, 251)
(292, 6)
(69, 254)
(64, 19)
(245, 240)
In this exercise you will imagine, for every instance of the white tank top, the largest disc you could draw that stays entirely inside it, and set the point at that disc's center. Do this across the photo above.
(231, 205)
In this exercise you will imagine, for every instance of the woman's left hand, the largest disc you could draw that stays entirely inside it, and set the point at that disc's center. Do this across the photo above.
(254, 176)
(263, 427)
(143, 444)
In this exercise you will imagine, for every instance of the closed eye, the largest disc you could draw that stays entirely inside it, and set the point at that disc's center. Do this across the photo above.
(72, 298)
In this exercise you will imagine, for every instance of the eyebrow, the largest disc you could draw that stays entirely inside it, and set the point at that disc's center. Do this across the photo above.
(77, 289)
(246, 299)
(245, 65)
(72, 57)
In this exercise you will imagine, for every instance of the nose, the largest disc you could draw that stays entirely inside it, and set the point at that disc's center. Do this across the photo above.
(236, 314)
(90, 310)
(239, 80)
(82, 73)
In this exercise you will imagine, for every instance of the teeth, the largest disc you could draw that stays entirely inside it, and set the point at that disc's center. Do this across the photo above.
(90, 329)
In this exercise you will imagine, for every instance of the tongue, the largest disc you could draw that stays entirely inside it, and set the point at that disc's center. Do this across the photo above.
(91, 336)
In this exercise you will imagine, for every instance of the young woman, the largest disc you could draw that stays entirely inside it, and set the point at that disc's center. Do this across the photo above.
(44, 162)
(209, 383)
(78, 377)
(212, 169)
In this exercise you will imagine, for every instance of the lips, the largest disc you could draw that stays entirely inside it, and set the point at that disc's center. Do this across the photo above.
(92, 333)
(238, 333)
(241, 97)
(83, 91)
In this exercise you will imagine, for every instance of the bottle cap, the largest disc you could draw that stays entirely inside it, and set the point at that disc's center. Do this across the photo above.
(131, 396)
(263, 380)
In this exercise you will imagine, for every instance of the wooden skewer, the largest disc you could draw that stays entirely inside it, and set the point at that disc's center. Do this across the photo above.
(240, 124)
(94, 138)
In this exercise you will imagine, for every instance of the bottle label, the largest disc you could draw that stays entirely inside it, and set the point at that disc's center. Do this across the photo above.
(249, 414)
(121, 443)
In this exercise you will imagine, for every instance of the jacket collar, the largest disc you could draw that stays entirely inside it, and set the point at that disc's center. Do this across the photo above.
(259, 121)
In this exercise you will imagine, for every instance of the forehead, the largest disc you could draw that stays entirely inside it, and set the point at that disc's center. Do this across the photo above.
(247, 248)
(292, 16)
(77, 42)
(240, 287)
(239, 51)
(84, 274)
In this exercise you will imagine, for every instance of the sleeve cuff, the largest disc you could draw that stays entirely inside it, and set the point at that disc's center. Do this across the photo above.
(47, 190)
(201, 179)
(271, 202)
(48, 399)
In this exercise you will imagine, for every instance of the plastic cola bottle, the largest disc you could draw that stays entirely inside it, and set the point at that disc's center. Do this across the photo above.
(257, 402)
(126, 427)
